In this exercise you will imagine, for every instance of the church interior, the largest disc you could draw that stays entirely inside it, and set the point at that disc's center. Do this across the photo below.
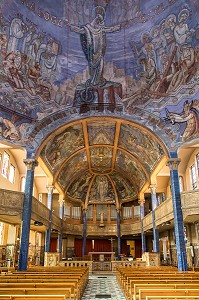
(99, 147)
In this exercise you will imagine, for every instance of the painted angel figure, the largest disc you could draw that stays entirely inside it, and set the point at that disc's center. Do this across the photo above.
(190, 116)
(93, 41)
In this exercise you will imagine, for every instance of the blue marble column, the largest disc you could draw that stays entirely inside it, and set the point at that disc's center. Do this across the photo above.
(178, 217)
(26, 217)
(143, 237)
(118, 233)
(60, 243)
(84, 233)
(61, 215)
(156, 246)
(48, 231)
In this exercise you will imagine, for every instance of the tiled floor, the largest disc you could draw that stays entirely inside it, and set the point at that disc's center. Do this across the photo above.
(107, 285)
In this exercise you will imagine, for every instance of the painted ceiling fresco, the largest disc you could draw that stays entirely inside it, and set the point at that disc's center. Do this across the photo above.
(131, 64)
(90, 156)
(142, 64)
(72, 168)
(62, 146)
(127, 165)
(140, 144)
(101, 133)
(102, 190)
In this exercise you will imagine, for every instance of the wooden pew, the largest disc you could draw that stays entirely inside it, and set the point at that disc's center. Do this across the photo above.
(184, 285)
(143, 293)
(39, 291)
(128, 277)
(131, 292)
(171, 298)
(69, 282)
(32, 297)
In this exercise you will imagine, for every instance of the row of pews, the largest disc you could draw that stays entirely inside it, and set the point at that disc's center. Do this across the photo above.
(43, 283)
(152, 283)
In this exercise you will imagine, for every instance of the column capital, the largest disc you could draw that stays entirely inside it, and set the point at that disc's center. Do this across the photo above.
(141, 202)
(50, 189)
(30, 163)
(153, 188)
(173, 163)
(61, 202)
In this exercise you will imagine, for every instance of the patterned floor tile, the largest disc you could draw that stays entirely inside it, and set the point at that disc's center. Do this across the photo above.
(103, 285)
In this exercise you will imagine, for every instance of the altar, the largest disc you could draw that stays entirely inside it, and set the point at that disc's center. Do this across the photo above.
(102, 261)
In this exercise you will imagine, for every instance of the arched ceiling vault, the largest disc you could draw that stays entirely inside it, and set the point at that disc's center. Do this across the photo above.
(102, 160)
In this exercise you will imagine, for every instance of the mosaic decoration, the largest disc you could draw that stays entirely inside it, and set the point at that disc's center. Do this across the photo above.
(78, 189)
(101, 190)
(62, 146)
(101, 157)
(124, 188)
(74, 167)
(101, 133)
(142, 64)
(127, 165)
(140, 144)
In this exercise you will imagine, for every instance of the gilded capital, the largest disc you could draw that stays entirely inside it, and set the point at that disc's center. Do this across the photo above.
(30, 163)
(61, 202)
(141, 202)
(50, 189)
(118, 209)
(173, 163)
(153, 188)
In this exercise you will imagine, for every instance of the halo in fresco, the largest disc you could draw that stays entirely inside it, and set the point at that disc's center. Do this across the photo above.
(143, 65)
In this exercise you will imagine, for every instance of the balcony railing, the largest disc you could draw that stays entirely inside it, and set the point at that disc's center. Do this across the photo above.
(164, 212)
(190, 203)
(11, 203)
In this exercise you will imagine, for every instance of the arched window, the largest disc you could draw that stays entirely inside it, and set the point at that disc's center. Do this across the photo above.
(181, 184)
(193, 177)
(23, 182)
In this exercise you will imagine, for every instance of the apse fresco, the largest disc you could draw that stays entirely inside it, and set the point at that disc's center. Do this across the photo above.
(101, 157)
(140, 144)
(102, 190)
(123, 187)
(101, 133)
(134, 59)
(62, 145)
(74, 167)
(78, 189)
(126, 165)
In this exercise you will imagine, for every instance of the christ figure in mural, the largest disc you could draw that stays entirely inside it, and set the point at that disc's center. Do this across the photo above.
(93, 41)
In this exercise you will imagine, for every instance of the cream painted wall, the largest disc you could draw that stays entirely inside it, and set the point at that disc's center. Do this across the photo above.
(187, 176)
(11, 234)
(4, 182)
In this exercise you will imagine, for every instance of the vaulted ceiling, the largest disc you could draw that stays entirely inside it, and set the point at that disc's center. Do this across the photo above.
(105, 153)
(99, 89)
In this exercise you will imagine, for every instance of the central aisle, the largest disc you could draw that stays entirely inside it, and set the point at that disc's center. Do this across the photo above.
(103, 285)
